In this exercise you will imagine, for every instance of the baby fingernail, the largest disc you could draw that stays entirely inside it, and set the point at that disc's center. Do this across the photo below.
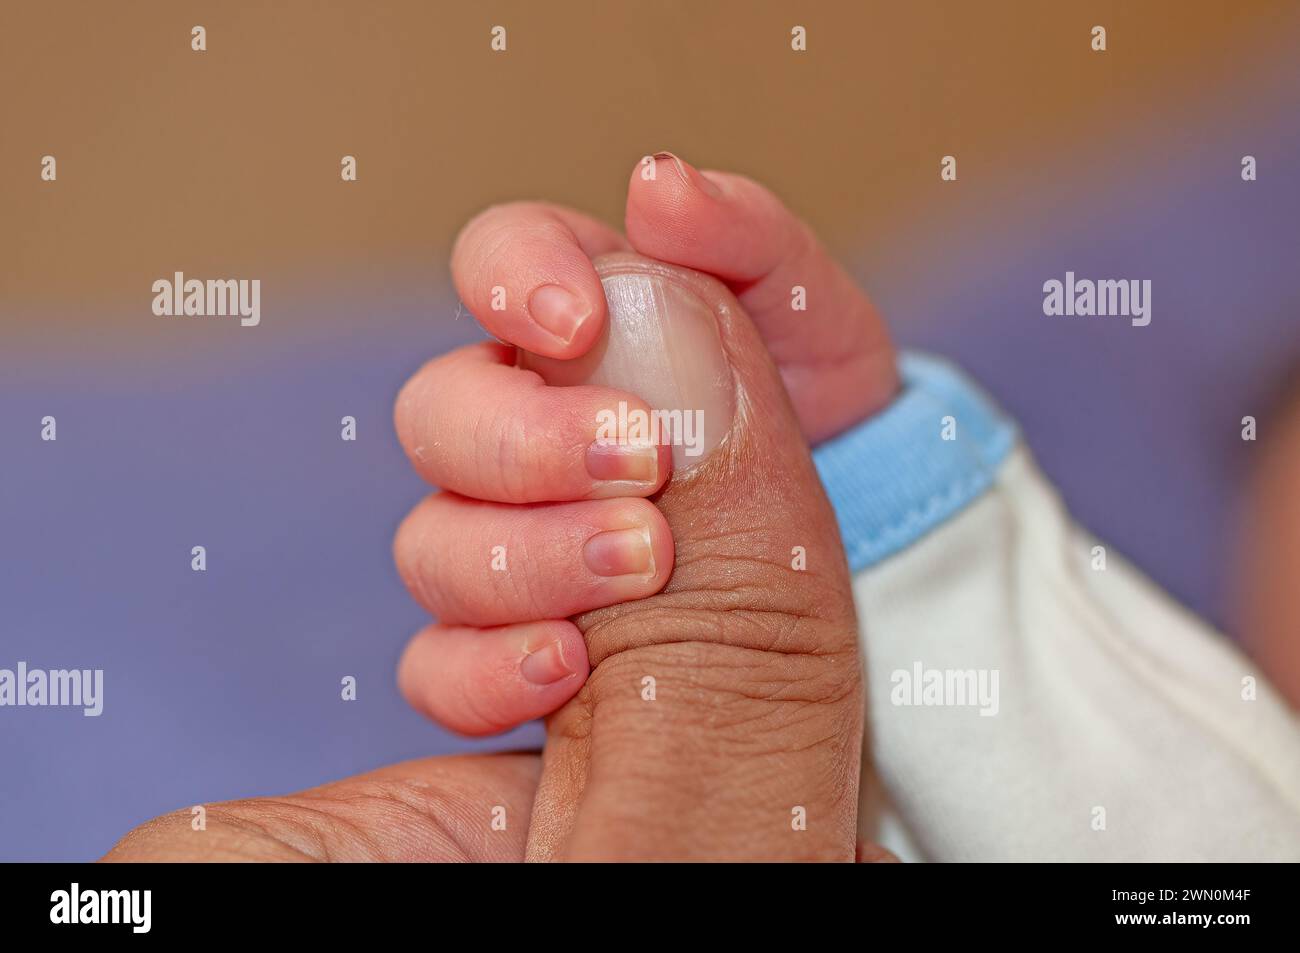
(637, 462)
(619, 552)
(661, 343)
(558, 310)
(545, 666)
(693, 175)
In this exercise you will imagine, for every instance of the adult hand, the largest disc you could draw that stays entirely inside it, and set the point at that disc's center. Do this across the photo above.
(458, 808)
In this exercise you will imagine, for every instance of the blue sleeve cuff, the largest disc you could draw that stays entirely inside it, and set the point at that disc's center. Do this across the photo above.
(895, 477)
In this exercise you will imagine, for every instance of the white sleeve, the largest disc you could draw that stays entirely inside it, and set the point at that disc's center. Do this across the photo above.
(1031, 697)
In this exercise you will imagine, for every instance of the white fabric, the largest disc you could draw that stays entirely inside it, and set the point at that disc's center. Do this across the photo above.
(1110, 696)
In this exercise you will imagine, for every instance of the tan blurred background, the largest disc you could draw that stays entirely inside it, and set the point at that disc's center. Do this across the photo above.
(227, 161)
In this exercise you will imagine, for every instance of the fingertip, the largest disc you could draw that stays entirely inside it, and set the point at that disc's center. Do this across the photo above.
(664, 194)
(484, 681)
(665, 549)
(566, 318)
(554, 660)
(672, 175)
(524, 271)
(721, 223)
(641, 512)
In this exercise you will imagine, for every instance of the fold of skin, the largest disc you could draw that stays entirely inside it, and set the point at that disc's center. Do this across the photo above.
(723, 718)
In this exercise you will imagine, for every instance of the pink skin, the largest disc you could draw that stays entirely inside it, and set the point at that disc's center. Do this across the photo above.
(504, 438)
(473, 423)
(836, 357)
(520, 248)
(472, 680)
(544, 561)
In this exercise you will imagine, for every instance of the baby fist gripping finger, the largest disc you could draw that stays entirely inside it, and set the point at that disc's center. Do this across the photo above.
(827, 338)
(723, 717)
